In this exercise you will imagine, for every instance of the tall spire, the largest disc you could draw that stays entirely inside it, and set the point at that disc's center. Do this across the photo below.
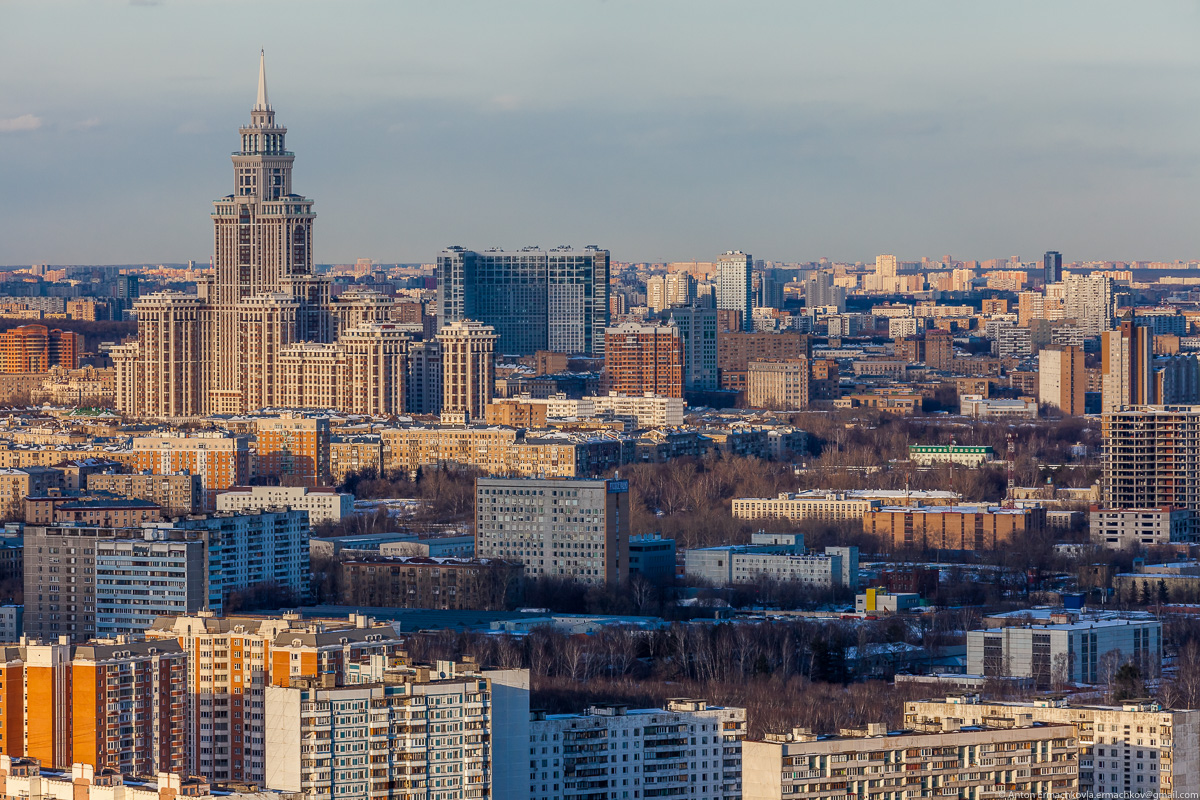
(262, 104)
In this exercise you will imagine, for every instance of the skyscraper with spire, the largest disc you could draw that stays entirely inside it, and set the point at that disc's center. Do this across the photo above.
(224, 349)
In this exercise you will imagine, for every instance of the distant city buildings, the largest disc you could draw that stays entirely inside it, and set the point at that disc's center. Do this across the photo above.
(734, 290)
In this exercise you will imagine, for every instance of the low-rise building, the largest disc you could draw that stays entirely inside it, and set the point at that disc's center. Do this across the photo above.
(1069, 648)
(776, 557)
(652, 557)
(876, 600)
(178, 493)
(1025, 760)
(952, 527)
(1139, 528)
(980, 407)
(423, 582)
(615, 751)
(967, 455)
(322, 504)
(25, 777)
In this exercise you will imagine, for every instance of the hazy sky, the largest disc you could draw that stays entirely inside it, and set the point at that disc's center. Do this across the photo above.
(661, 130)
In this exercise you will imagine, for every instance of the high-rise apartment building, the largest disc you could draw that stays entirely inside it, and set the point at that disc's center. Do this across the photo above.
(1152, 458)
(442, 732)
(1089, 301)
(468, 369)
(1062, 379)
(234, 659)
(735, 350)
(644, 358)
(109, 705)
(84, 581)
(734, 285)
(36, 348)
(260, 330)
(1127, 365)
(821, 292)
(1051, 267)
(567, 529)
(535, 299)
(614, 751)
(670, 290)
(698, 328)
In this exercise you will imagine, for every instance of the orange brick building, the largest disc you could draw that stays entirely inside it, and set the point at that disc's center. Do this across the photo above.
(515, 414)
(112, 706)
(36, 348)
(952, 527)
(292, 449)
(643, 358)
(235, 658)
(220, 460)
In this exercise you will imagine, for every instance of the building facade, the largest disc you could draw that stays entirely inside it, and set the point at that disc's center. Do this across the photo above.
(535, 299)
(569, 529)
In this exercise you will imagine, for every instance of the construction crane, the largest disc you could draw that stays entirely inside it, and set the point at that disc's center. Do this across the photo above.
(1010, 498)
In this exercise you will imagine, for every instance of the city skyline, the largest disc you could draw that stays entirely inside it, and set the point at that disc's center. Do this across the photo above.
(810, 138)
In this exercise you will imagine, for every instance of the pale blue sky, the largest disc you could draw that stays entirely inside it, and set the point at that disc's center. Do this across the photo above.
(661, 130)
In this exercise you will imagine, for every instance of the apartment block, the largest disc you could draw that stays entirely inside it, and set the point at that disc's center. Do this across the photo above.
(219, 459)
(1138, 749)
(698, 327)
(354, 453)
(827, 505)
(574, 529)
(610, 751)
(778, 384)
(468, 369)
(499, 451)
(736, 349)
(36, 348)
(177, 494)
(233, 660)
(81, 581)
(1025, 760)
(1140, 528)
(442, 732)
(322, 504)
(17, 484)
(1062, 379)
(291, 449)
(644, 358)
(952, 527)
(110, 705)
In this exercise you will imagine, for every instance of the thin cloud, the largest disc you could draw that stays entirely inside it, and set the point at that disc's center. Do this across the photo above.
(85, 124)
(25, 122)
(192, 127)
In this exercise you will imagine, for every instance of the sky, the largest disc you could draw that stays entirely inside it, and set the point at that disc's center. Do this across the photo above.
(661, 130)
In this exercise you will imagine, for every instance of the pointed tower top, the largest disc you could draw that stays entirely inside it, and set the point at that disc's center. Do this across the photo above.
(262, 104)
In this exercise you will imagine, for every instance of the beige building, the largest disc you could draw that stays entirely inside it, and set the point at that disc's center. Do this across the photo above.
(177, 494)
(444, 731)
(468, 369)
(778, 384)
(1025, 760)
(17, 484)
(322, 504)
(1131, 750)
(1061, 378)
(828, 505)
(499, 451)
